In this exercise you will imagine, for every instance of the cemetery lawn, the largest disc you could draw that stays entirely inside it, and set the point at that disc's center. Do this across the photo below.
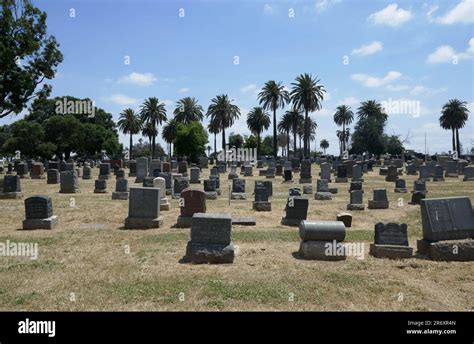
(87, 256)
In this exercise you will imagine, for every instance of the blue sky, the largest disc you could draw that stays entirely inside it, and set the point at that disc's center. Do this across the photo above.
(404, 50)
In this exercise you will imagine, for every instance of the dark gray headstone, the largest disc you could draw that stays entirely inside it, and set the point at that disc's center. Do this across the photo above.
(391, 234)
(38, 207)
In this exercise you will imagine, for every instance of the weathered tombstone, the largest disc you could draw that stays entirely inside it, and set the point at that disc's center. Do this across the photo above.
(345, 218)
(160, 183)
(132, 166)
(69, 182)
(148, 182)
(270, 173)
(39, 213)
(451, 169)
(279, 169)
(261, 202)
(307, 189)
(391, 241)
(411, 169)
(11, 187)
(419, 192)
(288, 176)
(356, 186)
(326, 171)
(183, 168)
(121, 189)
(357, 174)
(104, 171)
(356, 200)
(305, 174)
(294, 192)
(425, 173)
(204, 162)
(238, 189)
(37, 171)
(379, 200)
(392, 173)
(120, 174)
(195, 175)
(341, 174)
(144, 209)
(265, 184)
(22, 170)
(53, 177)
(295, 164)
(248, 171)
(86, 172)
(155, 168)
(168, 182)
(191, 202)
(142, 169)
(296, 210)
(468, 174)
(53, 165)
(322, 240)
(438, 174)
(210, 188)
(9, 168)
(166, 167)
(322, 190)
(100, 186)
(400, 186)
(211, 240)
(448, 229)
(180, 184)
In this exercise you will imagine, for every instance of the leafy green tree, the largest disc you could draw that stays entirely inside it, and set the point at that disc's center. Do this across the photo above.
(266, 146)
(236, 140)
(129, 123)
(66, 132)
(26, 137)
(454, 116)
(343, 116)
(188, 110)
(258, 120)
(191, 140)
(272, 97)
(393, 145)
(28, 55)
(5, 134)
(154, 112)
(250, 142)
(223, 114)
(307, 95)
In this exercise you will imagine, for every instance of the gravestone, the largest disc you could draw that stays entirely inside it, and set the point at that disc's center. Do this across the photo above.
(448, 229)
(341, 174)
(391, 241)
(104, 171)
(210, 188)
(356, 200)
(191, 202)
(392, 173)
(233, 172)
(270, 173)
(296, 210)
(132, 166)
(400, 186)
(142, 169)
(248, 171)
(204, 162)
(238, 189)
(195, 175)
(419, 192)
(120, 174)
(166, 167)
(69, 182)
(37, 171)
(438, 173)
(379, 200)
(180, 184)
(322, 240)
(53, 165)
(148, 182)
(425, 173)
(307, 189)
(211, 240)
(345, 218)
(22, 170)
(357, 174)
(121, 189)
(452, 169)
(160, 183)
(86, 172)
(100, 186)
(411, 169)
(39, 213)
(168, 182)
(265, 184)
(305, 174)
(11, 187)
(155, 168)
(322, 190)
(53, 177)
(468, 174)
(261, 202)
(294, 192)
(144, 209)
(326, 171)
(288, 177)
(279, 169)
(356, 186)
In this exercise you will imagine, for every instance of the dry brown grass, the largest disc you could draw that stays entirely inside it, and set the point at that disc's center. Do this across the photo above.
(86, 255)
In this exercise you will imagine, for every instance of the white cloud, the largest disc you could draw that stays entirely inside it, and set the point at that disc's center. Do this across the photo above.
(168, 102)
(184, 90)
(323, 5)
(397, 88)
(462, 13)
(392, 15)
(350, 101)
(422, 90)
(368, 49)
(371, 81)
(249, 88)
(446, 54)
(268, 10)
(139, 79)
(121, 99)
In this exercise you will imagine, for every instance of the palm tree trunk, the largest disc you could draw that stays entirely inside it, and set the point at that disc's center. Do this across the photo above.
(287, 143)
(306, 130)
(215, 144)
(258, 144)
(275, 149)
(223, 144)
(458, 145)
(343, 136)
(294, 143)
(130, 150)
(454, 140)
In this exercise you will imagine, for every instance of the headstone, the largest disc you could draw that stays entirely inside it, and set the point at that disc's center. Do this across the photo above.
(451, 169)
(248, 171)
(86, 172)
(238, 189)
(210, 188)
(356, 200)
(22, 170)
(168, 182)
(183, 168)
(391, 241)
(322, 190)
(357, 173)
(53, 176)
(142, 169)
(11, 187)
(143, 209)
(326, 171)
(270, 173)
(322, 240)
(195, 175)
(425, 173)
(132, 165)
(191, 202)
(204, 162)
(411, 169)
(296, 210)
(121, 189)
(379, 200)
(438, 174)
(468, 174)
(400, 186)
(160, 183)
(305, 174)
(180, 184)
(104, 171)
(341, 174)
(100, 186)
(53, 165)
(288, 176)
(37, 171)
(265, 184)
(148, 182)
(39, 213)
(69, 182)
(155, 168)
(292, 192)
(120, 174)
(346, 219)
(307, 189)
(211, 240)
(279, 169)
(392, 173)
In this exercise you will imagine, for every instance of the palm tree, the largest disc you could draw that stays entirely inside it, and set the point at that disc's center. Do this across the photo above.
(283, 141)
(371, 109)
(454, 116)
(224, 113)
(293, 119)
(188, 110)
(129, 123)
(149, 131)
(312, 125)
(154, 112)
(343, 116)
(307, 95)
(284, 126)
(272, 97)
(213, 128)
(258, 120)
(324, 145)
(170, 131)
